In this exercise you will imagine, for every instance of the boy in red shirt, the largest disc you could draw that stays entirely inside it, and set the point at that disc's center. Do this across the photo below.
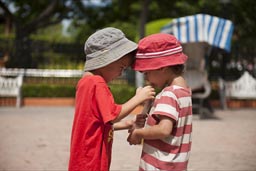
(108, 53)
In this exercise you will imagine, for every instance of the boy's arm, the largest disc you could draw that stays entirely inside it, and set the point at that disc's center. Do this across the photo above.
(123, 125)
(159, 131)
(138, 122)
(141, 95)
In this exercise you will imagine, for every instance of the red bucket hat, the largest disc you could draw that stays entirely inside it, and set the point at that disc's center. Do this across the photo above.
(158, 50)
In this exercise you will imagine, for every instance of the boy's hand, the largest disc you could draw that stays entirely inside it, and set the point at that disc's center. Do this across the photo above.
(133, 138)
(145, 93)
(140, 120)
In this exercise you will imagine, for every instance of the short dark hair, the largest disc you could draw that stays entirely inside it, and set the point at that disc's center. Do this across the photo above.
(178, 69)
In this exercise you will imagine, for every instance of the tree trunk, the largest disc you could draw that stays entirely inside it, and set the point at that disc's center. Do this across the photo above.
(22, 57)
(8, 26)
(143, 20)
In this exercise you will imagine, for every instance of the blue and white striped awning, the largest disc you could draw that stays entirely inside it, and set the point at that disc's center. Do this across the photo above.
(202, 28)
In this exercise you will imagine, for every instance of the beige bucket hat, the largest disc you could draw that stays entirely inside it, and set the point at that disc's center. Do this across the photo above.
(106, 46)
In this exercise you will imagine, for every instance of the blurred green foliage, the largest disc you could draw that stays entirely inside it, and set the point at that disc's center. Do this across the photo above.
(46, 90)
(53, 33)
(121, 93)
(32, 22)
(156, 25)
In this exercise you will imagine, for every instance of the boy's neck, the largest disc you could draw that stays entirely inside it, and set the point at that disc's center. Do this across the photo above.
(179, 81)
(88, 73)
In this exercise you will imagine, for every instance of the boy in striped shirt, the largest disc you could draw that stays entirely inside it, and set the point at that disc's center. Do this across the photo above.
(167, 134)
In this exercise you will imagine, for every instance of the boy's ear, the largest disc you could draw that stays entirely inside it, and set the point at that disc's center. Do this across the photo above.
(164, 69)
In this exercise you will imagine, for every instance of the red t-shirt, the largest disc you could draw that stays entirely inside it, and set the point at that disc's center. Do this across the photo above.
(92, 133)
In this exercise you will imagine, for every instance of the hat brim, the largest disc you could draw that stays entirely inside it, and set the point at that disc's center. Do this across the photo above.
(146, 64)
(110, 56)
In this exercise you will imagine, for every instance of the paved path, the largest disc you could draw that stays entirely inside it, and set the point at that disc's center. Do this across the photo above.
(37, 138)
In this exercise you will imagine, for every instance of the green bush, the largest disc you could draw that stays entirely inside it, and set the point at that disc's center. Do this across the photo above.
(121, 93)
(43, 90)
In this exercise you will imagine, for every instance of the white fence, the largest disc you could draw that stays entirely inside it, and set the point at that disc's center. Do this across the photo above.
(11, 87)
(11, 80)
(243, 88)
(41, 72)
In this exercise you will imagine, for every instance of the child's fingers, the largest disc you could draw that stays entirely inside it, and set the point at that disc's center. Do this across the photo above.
(141, 116)
(140, 120)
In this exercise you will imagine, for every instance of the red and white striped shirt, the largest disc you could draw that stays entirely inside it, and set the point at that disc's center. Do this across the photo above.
(172, 152)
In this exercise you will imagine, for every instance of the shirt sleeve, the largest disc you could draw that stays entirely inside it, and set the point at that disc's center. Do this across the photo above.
(167, 105)
(107, 107)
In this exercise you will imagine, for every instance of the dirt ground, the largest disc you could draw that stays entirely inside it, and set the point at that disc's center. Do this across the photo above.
(37, 138)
